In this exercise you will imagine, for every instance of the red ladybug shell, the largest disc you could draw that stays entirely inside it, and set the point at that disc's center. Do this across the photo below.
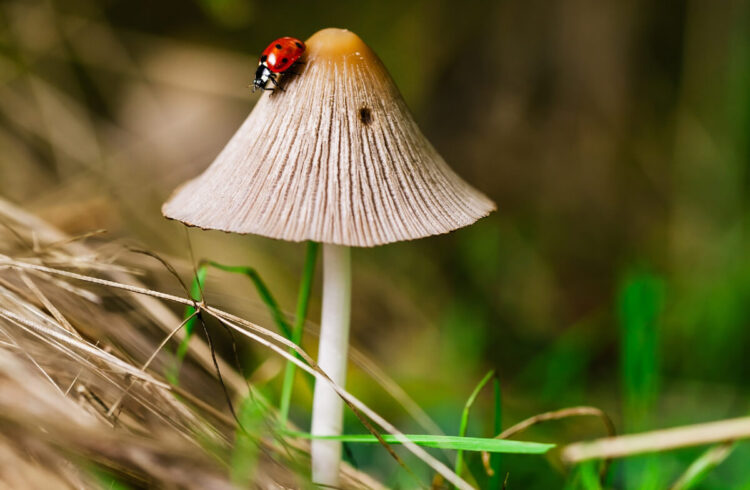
(281, 54)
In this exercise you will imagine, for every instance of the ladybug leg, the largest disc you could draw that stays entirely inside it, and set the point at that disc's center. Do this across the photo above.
(276, 84)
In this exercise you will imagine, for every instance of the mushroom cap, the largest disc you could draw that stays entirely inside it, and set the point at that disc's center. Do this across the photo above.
(335, 158)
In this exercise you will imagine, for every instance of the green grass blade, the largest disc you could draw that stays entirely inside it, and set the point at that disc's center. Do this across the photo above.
(106, 479)
(244, 460)
(496, 480)
(702, 466)
(303, 302)
(590, 476)
(196, 292)
(465, 418)
(263, 292)
(584, 477)
(640, 303)
(490, 445)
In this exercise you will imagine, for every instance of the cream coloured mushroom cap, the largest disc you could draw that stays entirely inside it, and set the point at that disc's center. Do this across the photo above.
(335, 158)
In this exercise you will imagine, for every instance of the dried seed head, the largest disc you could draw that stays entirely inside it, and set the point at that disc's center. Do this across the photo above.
(336, 158)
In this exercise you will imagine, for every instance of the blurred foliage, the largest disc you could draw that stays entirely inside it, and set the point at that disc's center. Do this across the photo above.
(639, 307)
(615, 138)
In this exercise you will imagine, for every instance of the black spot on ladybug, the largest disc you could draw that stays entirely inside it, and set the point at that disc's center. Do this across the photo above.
(263, 58)
(284, 60)
(299, 45)
(278, 46)
(365, 115)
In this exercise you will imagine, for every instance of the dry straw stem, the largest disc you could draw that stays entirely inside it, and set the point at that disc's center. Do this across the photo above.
(77, 254)
(335, 158)
(546, 417)
(557, 415)
(659, 440)
(56, 421)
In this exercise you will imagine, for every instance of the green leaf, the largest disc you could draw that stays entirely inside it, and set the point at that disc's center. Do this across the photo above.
(701, 467)
(442, 442)
(584, 477)
(465, 418)
(303, 301)
(640, 304)
(244, 460)
(263, 292)
(196, 293)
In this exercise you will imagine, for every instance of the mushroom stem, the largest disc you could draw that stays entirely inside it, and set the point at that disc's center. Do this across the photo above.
(328, 407)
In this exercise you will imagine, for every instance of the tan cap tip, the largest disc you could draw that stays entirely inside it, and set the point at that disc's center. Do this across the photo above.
(340, 46)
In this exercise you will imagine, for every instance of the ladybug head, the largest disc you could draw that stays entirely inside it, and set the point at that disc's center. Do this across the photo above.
(262, 75)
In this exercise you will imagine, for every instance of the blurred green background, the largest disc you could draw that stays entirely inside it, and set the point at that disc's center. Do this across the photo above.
(614, 137)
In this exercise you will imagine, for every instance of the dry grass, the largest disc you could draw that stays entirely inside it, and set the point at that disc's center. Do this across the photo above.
(75, 401)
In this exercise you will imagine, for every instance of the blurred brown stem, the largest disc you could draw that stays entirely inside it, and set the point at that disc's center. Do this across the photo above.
(547, 416)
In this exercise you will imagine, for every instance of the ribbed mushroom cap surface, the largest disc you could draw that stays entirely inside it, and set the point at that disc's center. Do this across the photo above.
(335, 158)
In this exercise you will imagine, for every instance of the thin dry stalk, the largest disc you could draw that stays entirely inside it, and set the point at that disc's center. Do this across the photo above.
(156, 310)
(367, 365)
(545, 417)
(47, 303)
(658, 440)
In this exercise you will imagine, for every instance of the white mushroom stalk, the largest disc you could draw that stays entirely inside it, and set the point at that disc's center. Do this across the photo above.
(336, 158)
(328, 407)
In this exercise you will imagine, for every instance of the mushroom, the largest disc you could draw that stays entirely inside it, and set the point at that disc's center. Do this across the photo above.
(335, 157)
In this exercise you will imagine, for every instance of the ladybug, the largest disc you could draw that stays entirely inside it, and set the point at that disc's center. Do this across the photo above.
(276, 59)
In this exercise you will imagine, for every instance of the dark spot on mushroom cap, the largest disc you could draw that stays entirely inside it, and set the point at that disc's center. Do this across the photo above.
(365, 115)
(278, 46)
